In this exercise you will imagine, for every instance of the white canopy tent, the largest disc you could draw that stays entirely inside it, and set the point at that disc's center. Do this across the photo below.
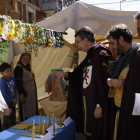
(75, 16)
(81, 14)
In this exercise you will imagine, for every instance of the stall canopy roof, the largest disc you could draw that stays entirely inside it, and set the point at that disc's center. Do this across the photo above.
(70, 20)
(81, 14)
(78, 15)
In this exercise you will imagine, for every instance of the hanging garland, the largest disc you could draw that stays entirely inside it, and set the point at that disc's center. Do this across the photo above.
(54, 39)
(32, 36)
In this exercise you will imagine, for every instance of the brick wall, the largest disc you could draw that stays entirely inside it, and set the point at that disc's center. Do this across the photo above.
(40, 15)
(37, 3)
(2, 7)
(19, 9)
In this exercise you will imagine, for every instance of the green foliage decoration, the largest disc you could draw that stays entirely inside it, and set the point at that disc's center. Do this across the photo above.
(4, 49)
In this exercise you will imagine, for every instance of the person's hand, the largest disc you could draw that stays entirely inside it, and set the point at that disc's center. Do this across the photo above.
(98, 112)
(7, 112)
(22, 98)
(116, 83)
(14, 102)
(60, 74)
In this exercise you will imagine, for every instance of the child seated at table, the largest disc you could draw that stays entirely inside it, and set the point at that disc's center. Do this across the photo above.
(9, 92)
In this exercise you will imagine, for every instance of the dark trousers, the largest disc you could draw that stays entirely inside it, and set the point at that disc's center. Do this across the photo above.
(9, 121)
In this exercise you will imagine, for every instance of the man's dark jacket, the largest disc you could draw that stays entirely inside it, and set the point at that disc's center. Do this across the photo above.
(129, 125)
(97, 92)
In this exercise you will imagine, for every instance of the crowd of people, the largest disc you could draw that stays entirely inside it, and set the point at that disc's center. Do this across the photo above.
(101, 89)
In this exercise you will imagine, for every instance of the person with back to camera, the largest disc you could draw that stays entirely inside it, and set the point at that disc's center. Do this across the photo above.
(9, 93)
(26, 86)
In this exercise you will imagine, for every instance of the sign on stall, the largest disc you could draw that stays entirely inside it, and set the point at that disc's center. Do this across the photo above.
(136, 109)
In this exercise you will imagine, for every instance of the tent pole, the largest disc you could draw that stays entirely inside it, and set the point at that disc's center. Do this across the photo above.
(120, 5)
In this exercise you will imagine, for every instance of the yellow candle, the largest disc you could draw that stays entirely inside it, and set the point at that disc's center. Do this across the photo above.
(60, 121)
(53, 124)
(33, 130)
(43, 128)
(40, 128)
(49, 119)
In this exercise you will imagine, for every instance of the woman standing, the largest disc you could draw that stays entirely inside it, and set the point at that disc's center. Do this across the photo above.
(26, 86)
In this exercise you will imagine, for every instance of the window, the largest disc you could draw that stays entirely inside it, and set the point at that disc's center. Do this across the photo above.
(30, 18)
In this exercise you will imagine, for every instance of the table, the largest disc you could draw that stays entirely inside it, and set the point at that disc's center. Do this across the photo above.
(67, 133)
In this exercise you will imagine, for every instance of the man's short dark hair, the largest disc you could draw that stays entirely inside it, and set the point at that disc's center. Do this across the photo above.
(137, 16)
(86, 32)
(4, 66)
(120, 30)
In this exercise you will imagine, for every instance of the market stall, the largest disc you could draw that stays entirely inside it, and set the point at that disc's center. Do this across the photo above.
(70, 20)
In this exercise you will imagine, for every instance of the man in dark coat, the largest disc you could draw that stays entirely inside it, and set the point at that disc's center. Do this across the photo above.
(88, 102)
(125, 79)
